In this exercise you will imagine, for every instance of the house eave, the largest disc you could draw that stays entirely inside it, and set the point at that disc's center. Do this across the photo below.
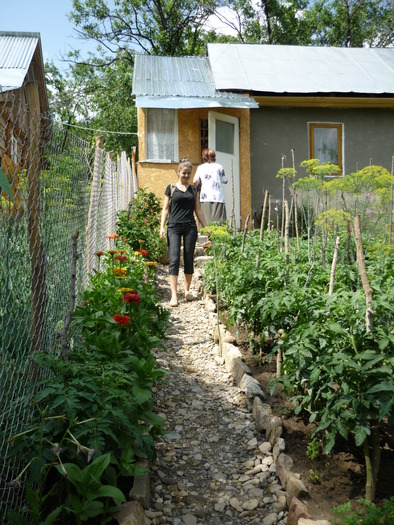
(325, 101)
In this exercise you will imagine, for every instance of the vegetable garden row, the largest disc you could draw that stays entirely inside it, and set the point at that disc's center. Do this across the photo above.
(318, 292)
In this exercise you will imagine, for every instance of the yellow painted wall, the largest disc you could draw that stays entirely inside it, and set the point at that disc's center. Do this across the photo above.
(156, 176)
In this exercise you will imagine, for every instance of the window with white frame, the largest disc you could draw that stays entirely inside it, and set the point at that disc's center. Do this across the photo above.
(14, 149)
(325, 142)
(161, 135)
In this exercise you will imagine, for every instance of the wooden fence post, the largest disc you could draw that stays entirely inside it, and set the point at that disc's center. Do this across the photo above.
(93, 206)
(36, 248)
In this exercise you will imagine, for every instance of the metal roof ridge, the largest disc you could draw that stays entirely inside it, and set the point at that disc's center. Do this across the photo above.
(20, 34)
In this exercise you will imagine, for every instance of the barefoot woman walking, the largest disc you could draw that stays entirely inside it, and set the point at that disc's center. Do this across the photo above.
(182, 204)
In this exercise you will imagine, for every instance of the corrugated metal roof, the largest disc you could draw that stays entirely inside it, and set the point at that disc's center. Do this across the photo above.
(180, 82)
(16, 53)
(302, 69)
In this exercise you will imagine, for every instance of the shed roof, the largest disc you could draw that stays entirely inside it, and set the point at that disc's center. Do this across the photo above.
(278, 69)
(180, 82)
(16, 53)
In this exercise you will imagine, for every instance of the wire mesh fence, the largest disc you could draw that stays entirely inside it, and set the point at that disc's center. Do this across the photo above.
(57, 184)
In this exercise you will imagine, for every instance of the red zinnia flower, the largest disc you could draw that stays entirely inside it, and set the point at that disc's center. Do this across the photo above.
(120, 258)
(121, 319)
(131, 297)
(143, 252)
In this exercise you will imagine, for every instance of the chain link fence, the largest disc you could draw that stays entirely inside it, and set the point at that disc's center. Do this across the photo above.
(59, 184)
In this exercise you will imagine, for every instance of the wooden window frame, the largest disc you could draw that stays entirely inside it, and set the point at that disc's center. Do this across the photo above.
(327, 125)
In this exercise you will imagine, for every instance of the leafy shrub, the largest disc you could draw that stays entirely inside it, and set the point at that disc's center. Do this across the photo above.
(365, 513)
(141, 222)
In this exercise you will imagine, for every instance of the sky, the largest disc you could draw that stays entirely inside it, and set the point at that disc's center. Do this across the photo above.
(47, 17)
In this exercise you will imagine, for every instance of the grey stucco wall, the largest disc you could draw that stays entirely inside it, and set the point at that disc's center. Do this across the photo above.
(367, 134)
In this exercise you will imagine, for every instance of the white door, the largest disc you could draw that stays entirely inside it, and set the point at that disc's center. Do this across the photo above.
(223, 137)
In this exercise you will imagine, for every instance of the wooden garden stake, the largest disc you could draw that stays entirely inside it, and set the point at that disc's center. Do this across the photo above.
(244, 234)
(371, 445)
(334, 266)
(295, 202)
(363, 274)
(277, 226)
(233, 221)
(283, 199)
(262, 225)
(263, 215)
(287, 239)
(391, 199)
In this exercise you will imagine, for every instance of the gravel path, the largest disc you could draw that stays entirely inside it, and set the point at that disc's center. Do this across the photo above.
(213, 466)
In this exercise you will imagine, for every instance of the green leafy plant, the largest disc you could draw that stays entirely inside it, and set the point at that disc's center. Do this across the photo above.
(312, 452)
(86, 500)
(364, 513)
(140, 225)
(333, 368)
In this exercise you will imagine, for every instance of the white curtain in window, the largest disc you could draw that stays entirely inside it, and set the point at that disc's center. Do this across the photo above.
(326, 145)
(161, 130)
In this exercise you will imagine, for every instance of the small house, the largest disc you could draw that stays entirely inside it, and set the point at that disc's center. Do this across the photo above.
(257, 105)
(23, 101)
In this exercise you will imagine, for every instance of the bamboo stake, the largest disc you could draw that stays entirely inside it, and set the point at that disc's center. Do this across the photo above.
(244, 234)
(334, 266)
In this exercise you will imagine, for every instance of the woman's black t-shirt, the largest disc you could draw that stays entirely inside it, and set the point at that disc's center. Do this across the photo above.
(182, 205)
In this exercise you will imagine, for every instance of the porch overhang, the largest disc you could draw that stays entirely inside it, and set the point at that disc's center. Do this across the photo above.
(163, 102)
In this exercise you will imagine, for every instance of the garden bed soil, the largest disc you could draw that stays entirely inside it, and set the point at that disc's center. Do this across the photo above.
(330, 479)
